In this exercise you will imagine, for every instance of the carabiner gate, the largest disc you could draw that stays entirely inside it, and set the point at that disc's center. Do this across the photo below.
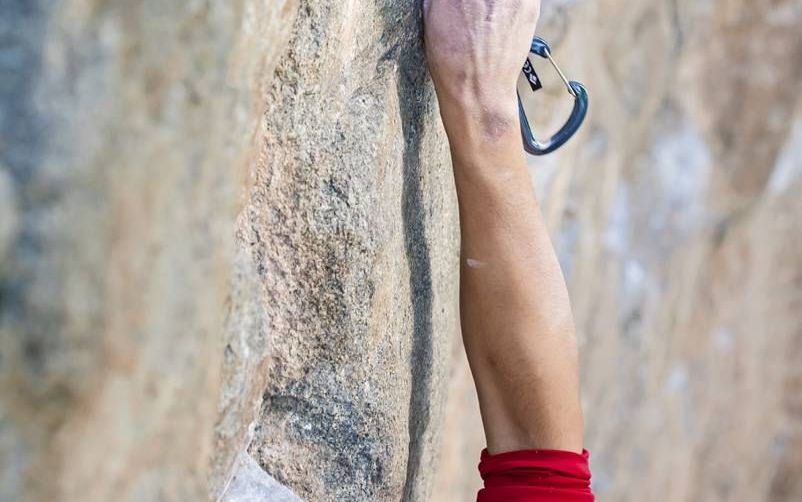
(577, 90)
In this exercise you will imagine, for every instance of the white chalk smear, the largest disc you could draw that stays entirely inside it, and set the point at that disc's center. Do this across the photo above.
(475, 263)
(507, 175)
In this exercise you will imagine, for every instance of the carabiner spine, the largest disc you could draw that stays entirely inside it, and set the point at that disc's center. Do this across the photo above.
(574, 122)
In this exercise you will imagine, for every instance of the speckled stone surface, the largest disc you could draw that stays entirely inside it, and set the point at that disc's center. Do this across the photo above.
(352, 221)
(126, 136)
(221, 225)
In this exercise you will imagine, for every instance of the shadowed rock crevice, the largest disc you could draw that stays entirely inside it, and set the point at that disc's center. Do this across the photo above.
(403, 37)
(412, 87)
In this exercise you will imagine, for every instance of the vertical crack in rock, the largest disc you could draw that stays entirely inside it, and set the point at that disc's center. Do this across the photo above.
(412, 88)
(414, 95)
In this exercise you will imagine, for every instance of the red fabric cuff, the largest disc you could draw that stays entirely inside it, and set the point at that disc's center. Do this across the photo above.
(535, 476)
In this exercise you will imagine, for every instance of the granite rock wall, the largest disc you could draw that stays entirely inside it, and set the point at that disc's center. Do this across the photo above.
(124, 142)
(208, 205)
(351, 221)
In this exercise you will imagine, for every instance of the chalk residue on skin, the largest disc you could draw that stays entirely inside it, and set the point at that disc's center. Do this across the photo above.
(475, 263)
(506, 175)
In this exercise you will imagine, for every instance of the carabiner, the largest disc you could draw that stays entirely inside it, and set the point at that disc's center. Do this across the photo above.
(577, 90)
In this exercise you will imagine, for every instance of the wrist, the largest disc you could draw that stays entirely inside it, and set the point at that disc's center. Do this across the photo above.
(484, 133)
(495, 166)
(475, 125)
(481, 115)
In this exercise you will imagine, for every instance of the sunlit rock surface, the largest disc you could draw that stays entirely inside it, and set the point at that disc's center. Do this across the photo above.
(125, 138)
(351, 221)
(223, 225)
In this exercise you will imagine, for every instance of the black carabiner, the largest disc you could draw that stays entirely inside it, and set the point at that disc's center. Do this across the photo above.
(577, 90)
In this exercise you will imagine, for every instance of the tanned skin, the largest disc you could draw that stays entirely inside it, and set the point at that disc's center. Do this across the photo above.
(516, 317)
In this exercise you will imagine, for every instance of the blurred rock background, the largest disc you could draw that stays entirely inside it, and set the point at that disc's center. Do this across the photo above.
(228, 231)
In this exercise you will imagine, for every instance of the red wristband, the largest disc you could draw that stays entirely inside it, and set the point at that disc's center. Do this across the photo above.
(535, 476)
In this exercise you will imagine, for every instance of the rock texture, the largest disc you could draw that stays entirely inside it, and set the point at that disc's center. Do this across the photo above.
(126, 134)
(679, 224)
(250, 483)
(228, 234)
(352, 222)
(142, 323)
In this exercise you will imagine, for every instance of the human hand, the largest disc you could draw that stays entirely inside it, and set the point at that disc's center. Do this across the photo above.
(475, 50)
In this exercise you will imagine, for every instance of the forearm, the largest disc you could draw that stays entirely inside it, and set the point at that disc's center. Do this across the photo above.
(516, 319)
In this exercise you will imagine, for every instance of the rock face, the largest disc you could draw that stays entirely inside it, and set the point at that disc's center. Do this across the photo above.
(125, 136)
(351, 221)
(228, 232)
(142, 321)
(679, 224)
(250, 483)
